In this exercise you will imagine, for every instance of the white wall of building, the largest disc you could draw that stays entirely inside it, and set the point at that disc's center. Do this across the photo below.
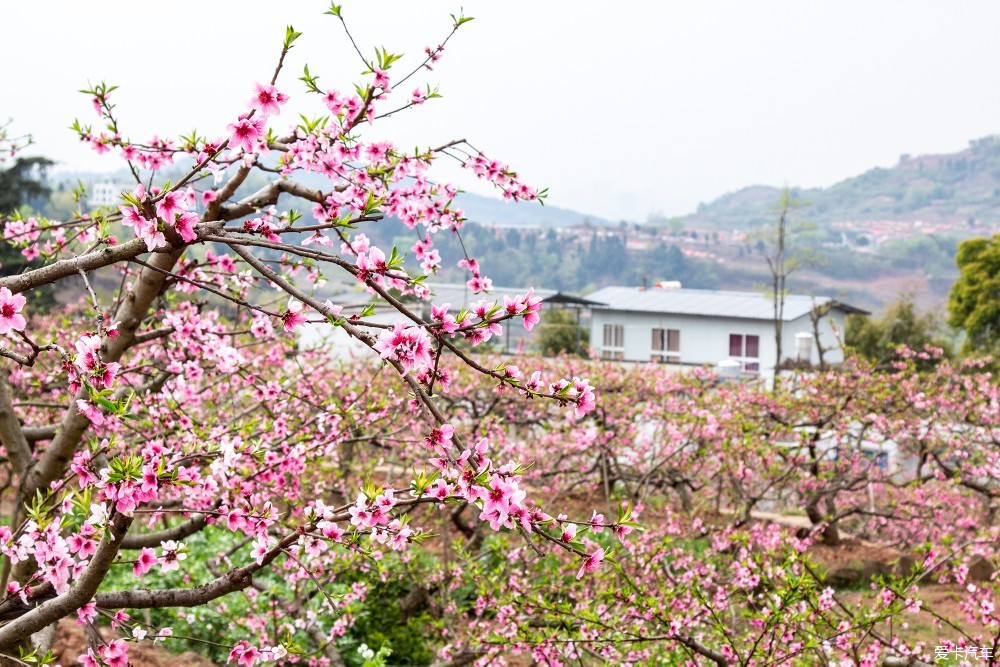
(106, 193)
(833, 354)
(705, 340)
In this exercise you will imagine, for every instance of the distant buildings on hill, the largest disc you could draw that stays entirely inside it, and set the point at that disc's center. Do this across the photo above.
(107, 193)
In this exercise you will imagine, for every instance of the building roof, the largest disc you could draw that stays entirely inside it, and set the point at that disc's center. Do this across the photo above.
(570, 301)
(711, 303)
(460, 296)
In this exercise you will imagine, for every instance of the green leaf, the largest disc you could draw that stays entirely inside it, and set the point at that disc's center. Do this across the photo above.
(334, 10)
(395, 259)
(290, 36)
(310, 80)
(310, 125)
(106, 404)
(384, 58)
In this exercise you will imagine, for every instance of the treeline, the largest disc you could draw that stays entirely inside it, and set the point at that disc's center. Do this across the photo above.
(563, 261)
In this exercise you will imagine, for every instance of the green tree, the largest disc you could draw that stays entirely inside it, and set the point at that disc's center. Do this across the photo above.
(973, 305)
(561, 333)
(22, 185)
(902, 323)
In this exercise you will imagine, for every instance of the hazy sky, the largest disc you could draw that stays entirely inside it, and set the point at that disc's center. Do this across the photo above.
(619, 108)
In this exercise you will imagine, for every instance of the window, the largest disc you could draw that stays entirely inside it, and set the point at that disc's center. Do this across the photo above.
(667, 345)
(613, 346)
(614, 335)
(745, 348)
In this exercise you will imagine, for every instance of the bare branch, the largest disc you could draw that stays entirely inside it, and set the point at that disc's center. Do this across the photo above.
(67, 267)
(178, 532)
(39, 433)
(11, 436)
(147, 336)
(230, 582)
(267, 196)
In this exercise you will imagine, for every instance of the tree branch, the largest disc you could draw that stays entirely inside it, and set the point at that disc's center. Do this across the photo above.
(11, 436)
(78, 595)
(230, 582)
(178, 532)
(38, 433)
(268, 195)
(68, 267)
(130, 313)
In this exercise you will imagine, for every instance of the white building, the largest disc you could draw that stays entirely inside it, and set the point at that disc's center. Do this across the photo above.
(106, 193)
(686, 326)
(515, 339)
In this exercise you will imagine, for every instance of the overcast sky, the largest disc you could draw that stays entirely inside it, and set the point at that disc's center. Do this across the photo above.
(621, 109)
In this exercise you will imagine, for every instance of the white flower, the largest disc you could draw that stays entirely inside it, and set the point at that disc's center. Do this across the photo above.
(172, 555)
(138, 633)
(98, 514)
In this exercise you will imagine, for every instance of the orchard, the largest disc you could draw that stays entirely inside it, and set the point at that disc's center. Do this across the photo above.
(179, 470)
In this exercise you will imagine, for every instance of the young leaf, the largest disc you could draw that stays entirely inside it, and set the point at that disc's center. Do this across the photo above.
(290, 36)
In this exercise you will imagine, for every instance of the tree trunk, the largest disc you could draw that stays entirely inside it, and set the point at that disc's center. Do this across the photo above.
(831, 534)
(685, 496)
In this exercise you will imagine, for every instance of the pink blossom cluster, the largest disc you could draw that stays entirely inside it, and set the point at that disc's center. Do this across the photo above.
(410, 346)
(171, 208)
(88, 370)
(112, 654)
(249, 132)
(24, 232)
(502, 176)
(11, 306)
(59, 560)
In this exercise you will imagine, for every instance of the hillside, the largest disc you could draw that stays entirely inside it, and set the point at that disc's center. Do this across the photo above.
(490, 211)
(478, 208)
(961, 188)
(875, 235)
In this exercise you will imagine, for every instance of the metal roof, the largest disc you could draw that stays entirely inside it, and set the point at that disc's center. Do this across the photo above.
(459, 295)
(569, 300)
(711, 303)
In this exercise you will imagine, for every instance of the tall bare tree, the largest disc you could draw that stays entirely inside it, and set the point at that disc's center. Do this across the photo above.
(783, 260)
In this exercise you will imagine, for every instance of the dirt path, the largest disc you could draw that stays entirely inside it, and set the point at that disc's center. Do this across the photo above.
(71, 643)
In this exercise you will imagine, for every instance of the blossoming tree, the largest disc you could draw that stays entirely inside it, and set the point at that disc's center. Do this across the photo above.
(170, 401)
(713, 579)
(176, 466)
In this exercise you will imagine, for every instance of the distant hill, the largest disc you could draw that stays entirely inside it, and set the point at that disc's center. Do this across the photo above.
(493, 211)
(490, 211)
(954, 187)
(876, 235)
